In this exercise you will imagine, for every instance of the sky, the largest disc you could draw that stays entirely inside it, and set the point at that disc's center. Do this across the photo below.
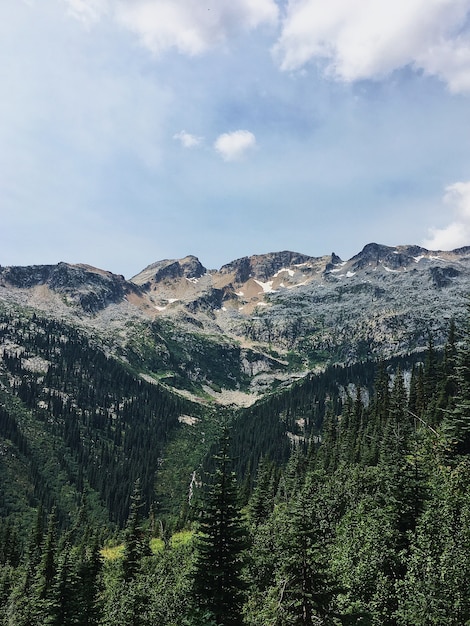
(137, 130)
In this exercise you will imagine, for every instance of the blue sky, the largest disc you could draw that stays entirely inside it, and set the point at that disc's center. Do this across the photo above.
(137, 130)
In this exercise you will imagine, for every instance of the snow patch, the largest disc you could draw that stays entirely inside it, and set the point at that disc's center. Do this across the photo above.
(418, 258)
(350, 274)
(193, 280)
(284, 269)
(266, 287)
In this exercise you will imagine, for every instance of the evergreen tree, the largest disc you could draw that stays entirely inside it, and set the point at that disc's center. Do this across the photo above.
(262, 500)
(89, 577)
(220, 544)
(398, 427)
(63, 604)
(306, 590)
(448, 386)
(456, 424)
(430, 380)
(135, 541)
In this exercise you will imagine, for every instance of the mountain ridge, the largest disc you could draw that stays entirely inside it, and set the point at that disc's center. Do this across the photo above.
(273, 316)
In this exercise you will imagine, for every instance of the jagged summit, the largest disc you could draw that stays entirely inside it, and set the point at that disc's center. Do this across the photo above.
(261, 317)
(263, 266)
(288, 299)
(189, 267)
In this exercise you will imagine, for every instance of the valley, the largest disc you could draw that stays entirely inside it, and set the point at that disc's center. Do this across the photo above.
(343, 388)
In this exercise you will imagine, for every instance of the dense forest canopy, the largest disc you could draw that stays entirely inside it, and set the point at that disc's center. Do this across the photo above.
(361, 515)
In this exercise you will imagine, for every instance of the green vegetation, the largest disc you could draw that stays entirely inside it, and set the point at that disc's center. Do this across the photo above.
(352, 504)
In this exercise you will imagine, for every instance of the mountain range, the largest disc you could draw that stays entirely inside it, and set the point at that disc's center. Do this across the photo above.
(335, 391)
(231, 335)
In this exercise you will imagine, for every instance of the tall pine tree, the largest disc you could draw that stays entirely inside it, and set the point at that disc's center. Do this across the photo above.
(220, 544)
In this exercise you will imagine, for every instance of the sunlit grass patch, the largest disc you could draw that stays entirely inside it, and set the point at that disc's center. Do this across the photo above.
(111, 553)
(181, 538)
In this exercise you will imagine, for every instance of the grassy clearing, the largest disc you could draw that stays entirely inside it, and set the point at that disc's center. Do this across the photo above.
(182, 538)
(111, 553)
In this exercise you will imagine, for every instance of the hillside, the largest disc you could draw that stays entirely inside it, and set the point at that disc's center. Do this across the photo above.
(258, 321)
(102, 376)
(344, 387)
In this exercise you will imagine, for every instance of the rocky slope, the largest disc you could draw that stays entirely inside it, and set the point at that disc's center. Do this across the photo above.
(257, 321)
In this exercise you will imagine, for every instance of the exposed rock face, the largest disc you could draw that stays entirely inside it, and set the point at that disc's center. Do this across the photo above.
(263, 266)
(443, 276)
(170, 270)
(89, 288)
(291, 311)
(374, 255)
(209, 301)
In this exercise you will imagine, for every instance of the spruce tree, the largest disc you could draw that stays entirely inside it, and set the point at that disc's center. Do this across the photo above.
(306, 589)
(220, 544)
(135, 545)
(456, 425)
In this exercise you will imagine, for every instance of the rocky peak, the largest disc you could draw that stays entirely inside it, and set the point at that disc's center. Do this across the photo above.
(169, 270)
(263, 266)
(394, 258)
(333, 262)
(90, 288)
(191, 267)
(463, 252)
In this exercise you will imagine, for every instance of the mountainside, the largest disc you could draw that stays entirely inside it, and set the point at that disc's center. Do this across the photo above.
(259, 321)
(337, 392)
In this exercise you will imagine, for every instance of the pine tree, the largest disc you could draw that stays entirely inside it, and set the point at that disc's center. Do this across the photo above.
(398, 427)
(306, 590)
(62, 606)
(89, 575)
(430, 379)
(262, 499)
(220, 544)
(456, 424)
(135, 545)
(448, 386)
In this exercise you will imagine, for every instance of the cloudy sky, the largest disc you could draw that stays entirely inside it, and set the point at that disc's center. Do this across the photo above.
(137, 130)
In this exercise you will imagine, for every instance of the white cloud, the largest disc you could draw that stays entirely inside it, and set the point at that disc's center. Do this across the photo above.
(187, 140)
(191, 27)
(457, 233)
(368, 39)
(233, 146)
(87, 11)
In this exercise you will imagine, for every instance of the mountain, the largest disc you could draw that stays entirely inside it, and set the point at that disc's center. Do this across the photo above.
(337, 392)
(229, 335)
(105, 380)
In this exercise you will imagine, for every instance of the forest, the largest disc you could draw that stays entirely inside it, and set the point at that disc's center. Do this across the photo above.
(361, 518)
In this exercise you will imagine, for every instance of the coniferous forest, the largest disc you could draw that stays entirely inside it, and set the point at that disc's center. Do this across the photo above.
(364, 521)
